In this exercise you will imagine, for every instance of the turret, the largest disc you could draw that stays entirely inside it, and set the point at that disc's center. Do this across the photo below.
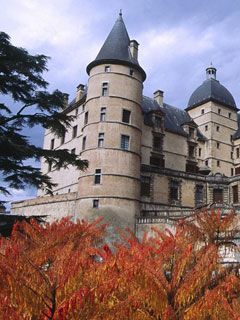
(213, 109)
(211, 72)
(112, 132)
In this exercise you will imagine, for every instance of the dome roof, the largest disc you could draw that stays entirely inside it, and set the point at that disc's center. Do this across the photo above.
(211, 90)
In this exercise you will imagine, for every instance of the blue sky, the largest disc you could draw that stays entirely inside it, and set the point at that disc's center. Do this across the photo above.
(178, 40)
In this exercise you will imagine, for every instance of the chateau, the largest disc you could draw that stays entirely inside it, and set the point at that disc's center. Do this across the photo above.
(149, 162)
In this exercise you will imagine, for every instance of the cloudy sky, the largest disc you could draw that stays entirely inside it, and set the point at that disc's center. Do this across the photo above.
(178, 40)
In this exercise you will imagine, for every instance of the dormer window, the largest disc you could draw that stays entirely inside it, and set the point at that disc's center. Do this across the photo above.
(107, 69)
(191, 133)
(158, 122)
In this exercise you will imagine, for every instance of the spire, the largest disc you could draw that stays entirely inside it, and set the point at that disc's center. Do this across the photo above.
(211, 72)
(116, 48)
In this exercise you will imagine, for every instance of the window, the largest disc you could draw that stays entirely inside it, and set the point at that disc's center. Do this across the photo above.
(76, 111)
(199, 152)
(74, 132)
(206, 128)
(231, 171)
(237, 152)
(103, 114)
(218, 145)
(84, 143)
(86, 118)
(107, 69)
(199, 194)
(63, 138)
(191, 133)
(97, 176)
(202, 111)
(157, 122)
(231, 137)
(49, 166)
(191, 167)
(206, 163)
(235, 194)
(145, 186)
(231, 155)
(105, 89)
(229, 115)
(191, 151)
(219, 111)
(52, 144)
(174, 190)
(83, 108)
(217, 128)
(237, 170)
(218, 195)
(100, 140)
(73, 151)
(131, 72)
(157, 143)
(126, 116)
(218, 163)
(157, 161)
(95, 203)
(124, 142)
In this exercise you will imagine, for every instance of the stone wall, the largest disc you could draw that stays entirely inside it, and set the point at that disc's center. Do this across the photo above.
(54, 207)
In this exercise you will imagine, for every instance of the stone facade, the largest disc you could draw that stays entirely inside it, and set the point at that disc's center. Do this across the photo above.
(149, 162)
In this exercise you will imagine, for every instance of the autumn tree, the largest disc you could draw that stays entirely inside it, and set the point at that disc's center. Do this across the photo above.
(67, 271)
(28, 104)
(45, 267)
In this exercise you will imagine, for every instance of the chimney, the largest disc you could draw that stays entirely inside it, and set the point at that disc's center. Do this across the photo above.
(66, 96)
(134, 48)
(80, 92)
(158, 96)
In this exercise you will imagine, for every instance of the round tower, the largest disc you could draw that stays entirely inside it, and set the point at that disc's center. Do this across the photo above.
(112, 132)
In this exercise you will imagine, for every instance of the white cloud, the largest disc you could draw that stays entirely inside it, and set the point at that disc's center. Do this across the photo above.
(175, 45)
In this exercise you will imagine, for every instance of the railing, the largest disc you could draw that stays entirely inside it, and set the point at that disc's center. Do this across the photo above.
(155, 215)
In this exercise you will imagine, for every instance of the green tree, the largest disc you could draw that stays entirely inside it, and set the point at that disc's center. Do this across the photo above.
(21, 80)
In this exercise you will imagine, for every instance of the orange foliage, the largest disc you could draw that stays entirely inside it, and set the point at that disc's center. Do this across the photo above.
(66, 271)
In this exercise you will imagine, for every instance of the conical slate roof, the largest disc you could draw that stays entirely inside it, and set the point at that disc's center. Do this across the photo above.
(116, 50)
(211, 90)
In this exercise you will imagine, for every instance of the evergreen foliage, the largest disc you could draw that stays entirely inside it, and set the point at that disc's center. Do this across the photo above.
(21, 80)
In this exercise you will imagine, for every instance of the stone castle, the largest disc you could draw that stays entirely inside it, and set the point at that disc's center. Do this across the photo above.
(149, 162)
